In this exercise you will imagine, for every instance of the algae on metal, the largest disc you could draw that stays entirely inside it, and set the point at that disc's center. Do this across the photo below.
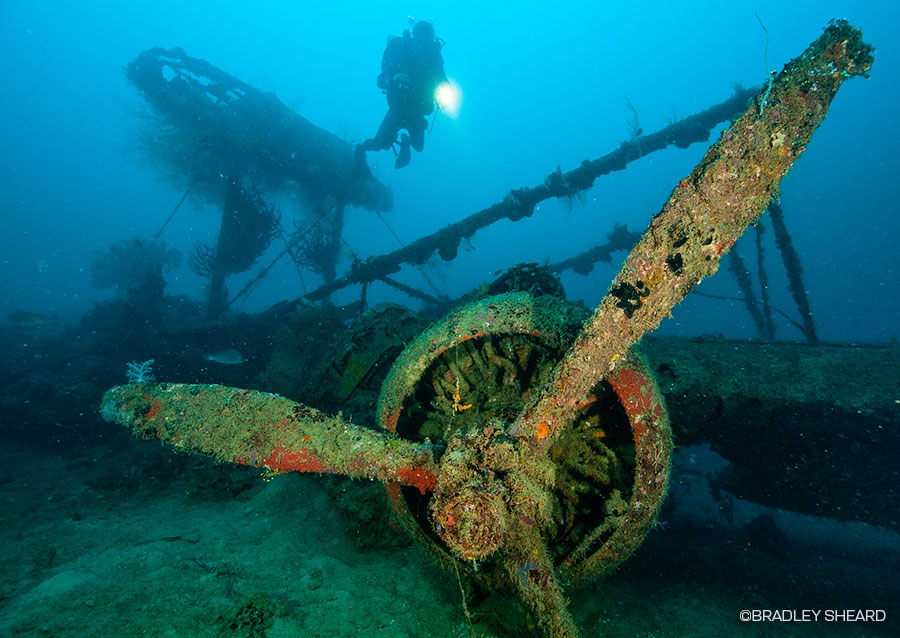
(265, 430)
(706, 213)
(578, 511)
(503, 314)
(523, 202)
(496, 480)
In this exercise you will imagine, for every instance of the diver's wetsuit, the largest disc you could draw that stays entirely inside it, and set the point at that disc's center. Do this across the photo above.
(412, 68)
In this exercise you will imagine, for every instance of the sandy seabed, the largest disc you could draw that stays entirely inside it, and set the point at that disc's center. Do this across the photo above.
(124, 543)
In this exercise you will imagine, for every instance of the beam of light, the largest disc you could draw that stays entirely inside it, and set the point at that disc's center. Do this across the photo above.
(449, 97)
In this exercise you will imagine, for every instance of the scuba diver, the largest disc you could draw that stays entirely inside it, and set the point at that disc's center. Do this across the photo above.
(411, 70)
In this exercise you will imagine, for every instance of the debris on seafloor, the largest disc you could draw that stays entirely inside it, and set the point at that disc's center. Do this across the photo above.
(490, 480)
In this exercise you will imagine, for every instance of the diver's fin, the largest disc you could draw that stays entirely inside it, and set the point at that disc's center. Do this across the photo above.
(405, 154)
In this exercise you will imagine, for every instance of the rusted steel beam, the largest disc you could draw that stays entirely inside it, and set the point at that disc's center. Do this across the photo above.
(521, 202)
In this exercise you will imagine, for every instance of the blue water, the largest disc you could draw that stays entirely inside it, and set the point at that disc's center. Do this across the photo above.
(104, 534)
(543, 86)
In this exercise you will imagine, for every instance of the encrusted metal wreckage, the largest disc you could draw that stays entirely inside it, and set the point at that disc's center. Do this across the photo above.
(517, 433)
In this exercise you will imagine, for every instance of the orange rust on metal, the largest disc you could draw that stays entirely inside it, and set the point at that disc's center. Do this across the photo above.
(389, 422)
(265, 430)
(419, 477)
(395, 496)
(285, 460)
(523, 314)
(153, 411)
(639, 396)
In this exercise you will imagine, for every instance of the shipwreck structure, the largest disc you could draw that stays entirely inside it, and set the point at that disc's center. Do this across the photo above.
(518, 433)
(211, 133)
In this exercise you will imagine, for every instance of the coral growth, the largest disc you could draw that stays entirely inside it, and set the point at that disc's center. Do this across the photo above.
(140, 372)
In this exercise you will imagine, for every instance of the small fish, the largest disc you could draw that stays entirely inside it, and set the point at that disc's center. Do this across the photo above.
(230, 357)
(687, 476)
(25, 319)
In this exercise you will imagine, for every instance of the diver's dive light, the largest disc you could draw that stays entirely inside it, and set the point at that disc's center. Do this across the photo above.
(448, 97)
